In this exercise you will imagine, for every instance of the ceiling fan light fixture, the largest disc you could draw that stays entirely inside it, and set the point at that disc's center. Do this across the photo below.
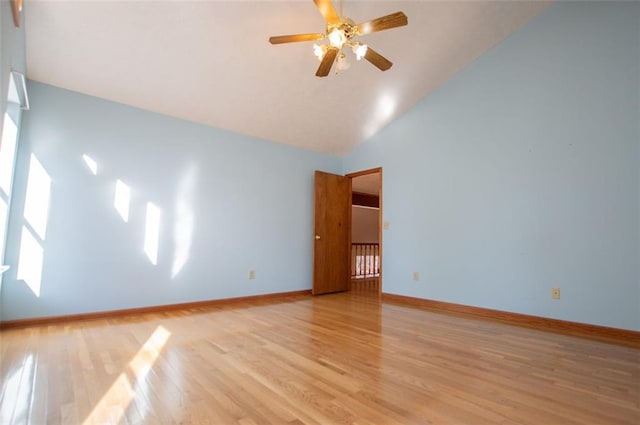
(360, 50)
(319, 50)
(337, 38)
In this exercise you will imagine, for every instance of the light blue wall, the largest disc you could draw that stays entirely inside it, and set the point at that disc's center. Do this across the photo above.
(251, 202)
(522, 174)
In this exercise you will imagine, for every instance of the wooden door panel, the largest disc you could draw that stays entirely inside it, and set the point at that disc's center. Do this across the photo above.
(331, 253)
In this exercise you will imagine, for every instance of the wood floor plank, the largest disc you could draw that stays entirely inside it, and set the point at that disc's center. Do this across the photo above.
(342, 358)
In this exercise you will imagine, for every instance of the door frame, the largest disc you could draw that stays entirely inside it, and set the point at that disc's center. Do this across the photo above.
(380, 222)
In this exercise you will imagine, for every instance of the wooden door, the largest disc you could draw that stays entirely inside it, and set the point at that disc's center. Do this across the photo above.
(331, 249)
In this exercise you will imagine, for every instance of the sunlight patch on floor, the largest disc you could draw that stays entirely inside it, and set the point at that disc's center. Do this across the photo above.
(113, 405)
(17, 393)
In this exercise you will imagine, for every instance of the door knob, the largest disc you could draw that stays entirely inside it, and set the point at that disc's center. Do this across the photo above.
(317, 237)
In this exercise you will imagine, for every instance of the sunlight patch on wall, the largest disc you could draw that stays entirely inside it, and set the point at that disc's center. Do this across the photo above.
(7, 161)
(183, 238)
(30, 261)
(152, 233)
(7, 153)
(384, 109)
(91, 164)
(184, 224)
(36, 205)
(386, 106)
(3, 219)
(122, 200)
(36, 212)
(112, 406)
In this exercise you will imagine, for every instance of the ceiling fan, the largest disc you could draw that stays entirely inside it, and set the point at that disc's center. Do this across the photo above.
(342, 31)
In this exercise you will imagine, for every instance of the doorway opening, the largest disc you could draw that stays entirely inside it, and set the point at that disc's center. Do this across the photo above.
(366, 234)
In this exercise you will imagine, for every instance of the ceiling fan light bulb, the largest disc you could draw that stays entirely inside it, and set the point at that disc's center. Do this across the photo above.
(360, 50)
(319, 51)
(337, 38)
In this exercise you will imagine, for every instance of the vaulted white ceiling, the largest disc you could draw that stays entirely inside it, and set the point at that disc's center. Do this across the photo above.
(210, 61)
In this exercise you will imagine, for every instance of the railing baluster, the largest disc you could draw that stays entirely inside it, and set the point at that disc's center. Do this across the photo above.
(365, 260)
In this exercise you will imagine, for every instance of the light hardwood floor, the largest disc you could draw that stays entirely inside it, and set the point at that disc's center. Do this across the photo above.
(342, 358)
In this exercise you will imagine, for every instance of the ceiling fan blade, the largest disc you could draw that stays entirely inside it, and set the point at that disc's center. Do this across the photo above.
(377, 59)
(279, 39)
(327, 62)
(387, 22)
(328, 11)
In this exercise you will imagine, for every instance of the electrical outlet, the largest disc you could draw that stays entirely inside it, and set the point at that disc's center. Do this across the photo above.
(555, 293)
(416, 276)
(385, 225)
(252, 274)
